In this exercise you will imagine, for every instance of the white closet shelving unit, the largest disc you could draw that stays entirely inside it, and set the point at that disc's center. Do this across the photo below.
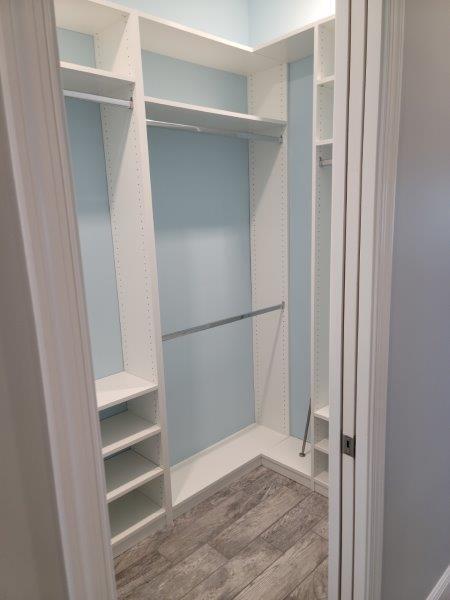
(320, 252)
(142, 492)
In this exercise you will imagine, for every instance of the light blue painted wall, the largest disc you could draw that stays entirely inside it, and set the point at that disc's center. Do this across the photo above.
(91, 196)
(200, 192)
(173, 79)
(272, 18)
(225, 18)
(76, 47)
(300, 167)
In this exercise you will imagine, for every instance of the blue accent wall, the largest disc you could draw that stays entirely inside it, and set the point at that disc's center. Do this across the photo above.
(269, 19)
(225, 18)
(200, 192)
(76, 47)
(173, 79)
(300, 99)
(92, 206)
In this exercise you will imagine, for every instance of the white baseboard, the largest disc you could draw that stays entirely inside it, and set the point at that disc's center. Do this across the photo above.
(441, 590)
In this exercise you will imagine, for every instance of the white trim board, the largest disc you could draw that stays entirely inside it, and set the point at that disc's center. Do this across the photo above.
(441, 590)
(201, 475)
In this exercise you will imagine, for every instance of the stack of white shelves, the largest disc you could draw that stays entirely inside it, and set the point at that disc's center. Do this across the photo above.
(322, 176)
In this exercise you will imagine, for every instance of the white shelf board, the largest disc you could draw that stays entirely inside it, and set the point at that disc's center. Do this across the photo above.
(121, 387)
(322, 478)
(323, 445)
(185, 43)
(126, 472)
(287, 455)
(328, 142)
(88, 16)
(208, 468)
(328, 81)
(123, 430)
(203, 470)
(129, 514)
(323, 413)
(88, 80)
(211, 118)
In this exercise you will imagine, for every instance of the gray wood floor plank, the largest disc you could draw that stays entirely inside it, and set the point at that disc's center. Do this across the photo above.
(237, 573)
(286, 573)
(176, 582)
(314, 587)
(322, 528)
(138, 552)
(292, 526)
(140, 572)
(245, 529)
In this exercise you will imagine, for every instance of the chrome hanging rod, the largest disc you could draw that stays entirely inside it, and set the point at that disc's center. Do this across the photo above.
(325, 162)
(254, 313)
(240, 134)
(98, 99)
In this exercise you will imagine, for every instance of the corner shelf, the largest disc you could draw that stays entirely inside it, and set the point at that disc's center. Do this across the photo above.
(323, 413)
(126, 472)
(121, 387)
(328, 142)
(123, 430)
(131, 513)
(322, 446)
(211, 118)
(88, 80)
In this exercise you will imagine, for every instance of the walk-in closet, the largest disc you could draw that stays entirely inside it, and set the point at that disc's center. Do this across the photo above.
(201, 141)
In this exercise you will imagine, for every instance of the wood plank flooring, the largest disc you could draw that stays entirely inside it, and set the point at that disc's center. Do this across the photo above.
(262, 538)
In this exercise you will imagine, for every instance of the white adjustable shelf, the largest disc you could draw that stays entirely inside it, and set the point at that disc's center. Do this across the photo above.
(323, 445)
(327, 142)
(126, 472)
(323, 413)
(211, 118)
(87, 80)
(123, 430)
(131, 513)
(121, 387)
(328, 81)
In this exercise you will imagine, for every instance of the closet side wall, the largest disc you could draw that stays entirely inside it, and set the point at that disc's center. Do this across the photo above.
(269, 19)
(94, 223)
(224, 18)
(300, 189)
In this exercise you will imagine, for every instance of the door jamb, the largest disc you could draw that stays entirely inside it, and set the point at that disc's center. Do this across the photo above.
(385, 34)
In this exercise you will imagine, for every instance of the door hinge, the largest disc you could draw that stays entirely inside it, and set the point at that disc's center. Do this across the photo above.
(348, 445)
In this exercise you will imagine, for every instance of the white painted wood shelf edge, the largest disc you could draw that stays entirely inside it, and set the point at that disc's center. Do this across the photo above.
(131, 513)
(323, 413)
(213, 118)
(126, 472)
(124, 430)
(121, 387)
(89, 80)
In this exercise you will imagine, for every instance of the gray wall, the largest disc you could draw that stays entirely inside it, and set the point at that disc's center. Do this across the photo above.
(417, 497)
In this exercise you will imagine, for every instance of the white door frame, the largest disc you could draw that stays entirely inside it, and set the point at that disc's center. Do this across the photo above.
(54, 518)
(383, 84)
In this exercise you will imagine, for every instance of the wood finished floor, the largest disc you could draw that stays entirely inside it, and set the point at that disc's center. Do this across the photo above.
(262, 538)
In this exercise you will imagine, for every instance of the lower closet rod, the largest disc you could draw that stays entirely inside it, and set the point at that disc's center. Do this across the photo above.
(195, 129)
(254, 313)
(98, 99)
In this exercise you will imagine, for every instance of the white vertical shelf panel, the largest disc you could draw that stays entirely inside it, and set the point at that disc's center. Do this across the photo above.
(321, 247)
(269, 253)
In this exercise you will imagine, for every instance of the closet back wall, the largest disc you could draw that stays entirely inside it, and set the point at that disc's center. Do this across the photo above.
(92, 206)
(200, 193)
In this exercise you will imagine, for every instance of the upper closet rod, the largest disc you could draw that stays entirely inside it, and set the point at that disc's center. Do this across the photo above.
(195, 129)
(254, 313)
(98, 99)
